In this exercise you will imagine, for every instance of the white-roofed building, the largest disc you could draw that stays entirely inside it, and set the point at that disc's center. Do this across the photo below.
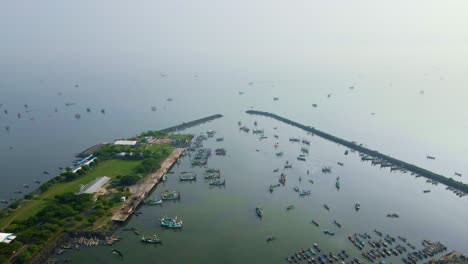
(125, 142)
(94, 186)
(6, 237)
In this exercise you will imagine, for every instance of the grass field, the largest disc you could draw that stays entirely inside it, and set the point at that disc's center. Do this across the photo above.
(109, 168)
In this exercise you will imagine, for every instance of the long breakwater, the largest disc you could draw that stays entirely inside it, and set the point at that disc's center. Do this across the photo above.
(460, 186)
(191, 123)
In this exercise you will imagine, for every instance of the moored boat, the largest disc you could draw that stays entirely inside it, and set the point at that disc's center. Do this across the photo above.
(151, 240)
(170, 195)
(218, 183)
(169, 222)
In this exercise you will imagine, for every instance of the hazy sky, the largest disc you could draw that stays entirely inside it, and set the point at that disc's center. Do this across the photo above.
(238, 35)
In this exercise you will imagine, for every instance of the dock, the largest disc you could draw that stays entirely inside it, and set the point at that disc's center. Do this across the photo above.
(141, 190)
(369, 154)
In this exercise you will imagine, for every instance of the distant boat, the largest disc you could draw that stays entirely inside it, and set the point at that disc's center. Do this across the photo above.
(315, 223)
(341, 164)
(426, 191)
(77, 116)
(103, 111)
(270, 238)
(458, 174)
(88, 110)
(275, 98)
(326, 207)
(259, 211)
(357, 206)
(430, 157)
(314, 105)
(153, 108)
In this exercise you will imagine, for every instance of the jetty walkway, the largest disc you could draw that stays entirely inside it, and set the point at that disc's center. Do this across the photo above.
(140, 191)
(460, 186)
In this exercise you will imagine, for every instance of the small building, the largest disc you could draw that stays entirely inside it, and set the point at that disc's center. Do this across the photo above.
(7, 238)
(94, 186)
(123, 199)
(125, 143)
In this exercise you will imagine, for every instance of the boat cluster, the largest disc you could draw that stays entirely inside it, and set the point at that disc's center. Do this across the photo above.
(316, 255)
(387, 246)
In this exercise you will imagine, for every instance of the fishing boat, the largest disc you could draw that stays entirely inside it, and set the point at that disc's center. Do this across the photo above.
(326, 207)
(337, 224)
(164, 177)
(282, 179)
(258, 131)
(170, 195)
(213, 171)
(220, 152)
(346, 152)
(314, 105)
(311, 181)
(220, 139)
(315, 223)
(458, 174)
(393, 215)
(306, 142)
(279, 154)
(357, 206)
(378, 232)
(153, 108)
(426, 191)
(188, 177)
(152, 202)
(296, 189)
(328, 232)
(275, 170)
(294, 140)
(218, 183)
(259, 211)
(326, 170)
(169, 222)
(304, 193)
(305, 150)
(270, 238)
(340, 163)
(288, 166)
(275, 98)
(338, 185)
(301, 158)
(212, 175)
(151, 240)
(210, 133)
(272, 188)
(290, 207)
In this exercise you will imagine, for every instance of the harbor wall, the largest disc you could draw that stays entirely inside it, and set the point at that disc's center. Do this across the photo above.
(191, 123)
(373, 153)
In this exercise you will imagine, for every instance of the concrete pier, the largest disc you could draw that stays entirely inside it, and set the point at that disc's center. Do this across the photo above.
(140, 191)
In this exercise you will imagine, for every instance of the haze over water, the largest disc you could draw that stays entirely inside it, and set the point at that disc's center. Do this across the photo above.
(299, 51)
